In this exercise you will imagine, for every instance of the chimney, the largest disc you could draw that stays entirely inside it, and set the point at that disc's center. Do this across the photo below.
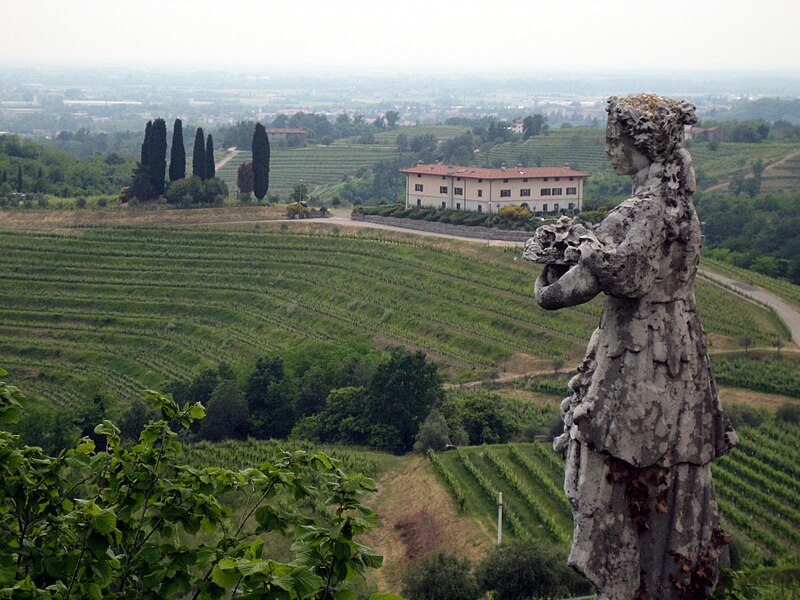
(450, 169)
(503, 166)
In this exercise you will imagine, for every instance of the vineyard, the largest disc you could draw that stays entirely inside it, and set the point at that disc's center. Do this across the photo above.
(313, 166)
(785, 290)
(757, 484)
(116, 310)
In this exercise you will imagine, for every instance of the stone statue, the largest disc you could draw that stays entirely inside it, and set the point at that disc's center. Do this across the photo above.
(644, 419)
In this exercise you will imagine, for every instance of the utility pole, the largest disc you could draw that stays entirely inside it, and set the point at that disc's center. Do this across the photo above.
(499, 518)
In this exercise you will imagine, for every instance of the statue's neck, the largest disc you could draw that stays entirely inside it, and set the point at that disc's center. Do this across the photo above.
(641, 180)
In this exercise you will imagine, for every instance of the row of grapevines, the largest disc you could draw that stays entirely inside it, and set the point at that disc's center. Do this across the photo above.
(450, 479)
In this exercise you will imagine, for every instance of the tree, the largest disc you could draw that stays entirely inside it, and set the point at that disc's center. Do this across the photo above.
(299, 192)
(141, 186)
(261, 153)
(19, 179)
(432, 433)
(177, 157)
(441, 576)
(157, 164)
(199, 155)
(211, 170)
(524, 569)
(401, 394)
(391, 116)
(226, 415)
(147, 144)
(534, 125)
(244, 178)
(124, 522)
(268, 401)
(746, 341)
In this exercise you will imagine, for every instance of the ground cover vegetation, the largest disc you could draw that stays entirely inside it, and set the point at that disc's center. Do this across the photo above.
(134, 521)
(111, 311)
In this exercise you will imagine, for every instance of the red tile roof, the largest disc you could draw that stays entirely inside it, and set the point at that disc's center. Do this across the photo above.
(482, 173)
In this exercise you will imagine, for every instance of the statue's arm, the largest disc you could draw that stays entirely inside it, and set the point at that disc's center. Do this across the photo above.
(630, 267)
(560, 287)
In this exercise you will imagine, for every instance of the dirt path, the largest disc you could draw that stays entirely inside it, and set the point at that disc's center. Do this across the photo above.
(770, 167)
(421, 520)
(231, 153)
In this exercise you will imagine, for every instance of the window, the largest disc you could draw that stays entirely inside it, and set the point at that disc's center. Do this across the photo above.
(417, 187)
(525, 180)
(444, 205)
(458, 178)
(458, 205)
(572, 191)
(480, 180)
(545, 178)
(505, 193)
(525, 205)
(571, 178)
(444, 177)
(525, 192)
(556, 191)
(558, 178)
(442, 189)
(480, 193)
(555, 207)
(545, 191)
(544, 207)
(505, 180)
(418, 175)
(458, 191)
(480, 207)
(419, 201)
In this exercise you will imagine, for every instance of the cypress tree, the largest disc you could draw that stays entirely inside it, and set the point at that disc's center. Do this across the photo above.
(158, 156)
(177, 155)
(147, 144)
(199, 155)
(19, 179)
(260, 161)
(211, 170)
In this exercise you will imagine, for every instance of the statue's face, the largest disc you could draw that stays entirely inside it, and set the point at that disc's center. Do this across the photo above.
(626, 159)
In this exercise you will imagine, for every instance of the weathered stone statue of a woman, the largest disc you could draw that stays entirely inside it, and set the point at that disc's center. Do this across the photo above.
(644, 419)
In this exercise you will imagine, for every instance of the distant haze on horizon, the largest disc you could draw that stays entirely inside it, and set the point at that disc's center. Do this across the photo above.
(504, 36)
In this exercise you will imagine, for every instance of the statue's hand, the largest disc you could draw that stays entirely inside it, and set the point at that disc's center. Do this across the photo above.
(559, 286)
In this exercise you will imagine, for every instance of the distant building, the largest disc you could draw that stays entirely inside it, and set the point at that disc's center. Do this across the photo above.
(549, 189)
(285, 134)
(518, 126)
(704, 134)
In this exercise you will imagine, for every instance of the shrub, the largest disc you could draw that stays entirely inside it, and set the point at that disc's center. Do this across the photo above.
(432, 433)
(102, 202)
(789, 413)
(441, 576)
(742, 415)
(523, 569)
(80, 202)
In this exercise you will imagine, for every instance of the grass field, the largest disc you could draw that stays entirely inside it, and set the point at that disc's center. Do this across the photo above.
(138, 307)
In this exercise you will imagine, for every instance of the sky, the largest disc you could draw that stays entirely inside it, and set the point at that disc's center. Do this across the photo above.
(461, 35)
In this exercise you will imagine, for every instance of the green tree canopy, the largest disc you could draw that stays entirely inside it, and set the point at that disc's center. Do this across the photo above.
(261, 152)
(211, 171)
(199, 155)
(177, 158)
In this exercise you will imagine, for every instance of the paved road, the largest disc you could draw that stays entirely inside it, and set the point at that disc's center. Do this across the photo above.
(789, 315)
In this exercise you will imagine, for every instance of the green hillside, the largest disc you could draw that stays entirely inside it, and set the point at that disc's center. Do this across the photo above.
(125, 308)
(313, 166)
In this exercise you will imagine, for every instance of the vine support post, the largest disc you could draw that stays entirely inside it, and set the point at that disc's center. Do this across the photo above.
(499, 518)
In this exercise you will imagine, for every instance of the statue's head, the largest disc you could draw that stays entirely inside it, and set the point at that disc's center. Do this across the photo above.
(646, 129)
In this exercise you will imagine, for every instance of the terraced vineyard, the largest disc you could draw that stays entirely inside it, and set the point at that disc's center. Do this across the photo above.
(758, 489)
(138, 307)
(581, 148)
(313, 166)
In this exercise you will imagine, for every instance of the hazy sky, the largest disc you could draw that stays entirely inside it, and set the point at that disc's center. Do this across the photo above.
(464, 34)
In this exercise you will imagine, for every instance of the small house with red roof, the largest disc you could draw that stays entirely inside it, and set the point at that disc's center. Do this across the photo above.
(548, 189)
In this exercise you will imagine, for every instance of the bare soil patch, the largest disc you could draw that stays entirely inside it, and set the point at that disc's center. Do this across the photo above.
(417, 516)
(730, 395)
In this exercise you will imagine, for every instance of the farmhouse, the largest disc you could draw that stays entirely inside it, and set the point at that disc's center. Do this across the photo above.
(550, 189)
(284, 134)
